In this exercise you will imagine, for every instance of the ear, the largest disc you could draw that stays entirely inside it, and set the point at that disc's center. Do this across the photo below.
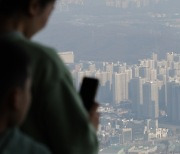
(34, 8)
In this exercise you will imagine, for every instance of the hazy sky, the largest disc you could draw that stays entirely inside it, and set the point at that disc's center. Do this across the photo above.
(107, 33)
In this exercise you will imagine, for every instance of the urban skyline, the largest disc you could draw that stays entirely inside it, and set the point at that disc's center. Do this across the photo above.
(138, 98)
(141, 111)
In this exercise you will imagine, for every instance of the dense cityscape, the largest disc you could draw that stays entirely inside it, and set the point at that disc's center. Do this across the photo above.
(140, 103)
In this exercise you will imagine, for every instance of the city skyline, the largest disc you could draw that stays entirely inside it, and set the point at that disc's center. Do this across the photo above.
(146, 84)
(145, 109)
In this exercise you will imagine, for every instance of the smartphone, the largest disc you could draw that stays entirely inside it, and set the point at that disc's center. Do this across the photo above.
(88, 91)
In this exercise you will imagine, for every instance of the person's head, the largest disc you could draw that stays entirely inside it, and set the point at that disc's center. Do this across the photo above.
(15, 84)
(29, 16)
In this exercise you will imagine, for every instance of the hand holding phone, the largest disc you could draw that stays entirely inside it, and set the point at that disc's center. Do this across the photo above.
(88, 91)
(94, 115)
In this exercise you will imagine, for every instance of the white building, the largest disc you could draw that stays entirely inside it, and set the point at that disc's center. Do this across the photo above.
(120, 87)
(67, 57)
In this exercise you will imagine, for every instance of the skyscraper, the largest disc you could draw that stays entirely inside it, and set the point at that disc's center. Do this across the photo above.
(173, 101)
(135, 71)
(153, 74)
(119, 87)
(150, 100)
(136, 95)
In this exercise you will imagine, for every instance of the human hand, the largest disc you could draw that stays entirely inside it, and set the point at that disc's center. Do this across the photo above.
(94, 115)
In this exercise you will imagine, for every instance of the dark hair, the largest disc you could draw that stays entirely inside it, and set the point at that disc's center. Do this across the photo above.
(13, 7)
(14, 67)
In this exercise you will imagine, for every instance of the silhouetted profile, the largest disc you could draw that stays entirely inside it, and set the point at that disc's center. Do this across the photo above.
(57, 116)
(15, 96)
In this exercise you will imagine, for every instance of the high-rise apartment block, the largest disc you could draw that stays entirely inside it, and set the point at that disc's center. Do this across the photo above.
(67, 57)
(119, 86)
(136, 95)
(173, 101)
(150, 100)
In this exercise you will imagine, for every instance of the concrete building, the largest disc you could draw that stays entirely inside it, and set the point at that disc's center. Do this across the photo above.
(170, 56)
(127, 135)
(135, 71)
(153, 74)
(136, 95)
(109, 67)
(119, 87)
(150, 100)
(67, 57)
(144, 72)
(173, 101)
(152, 125)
